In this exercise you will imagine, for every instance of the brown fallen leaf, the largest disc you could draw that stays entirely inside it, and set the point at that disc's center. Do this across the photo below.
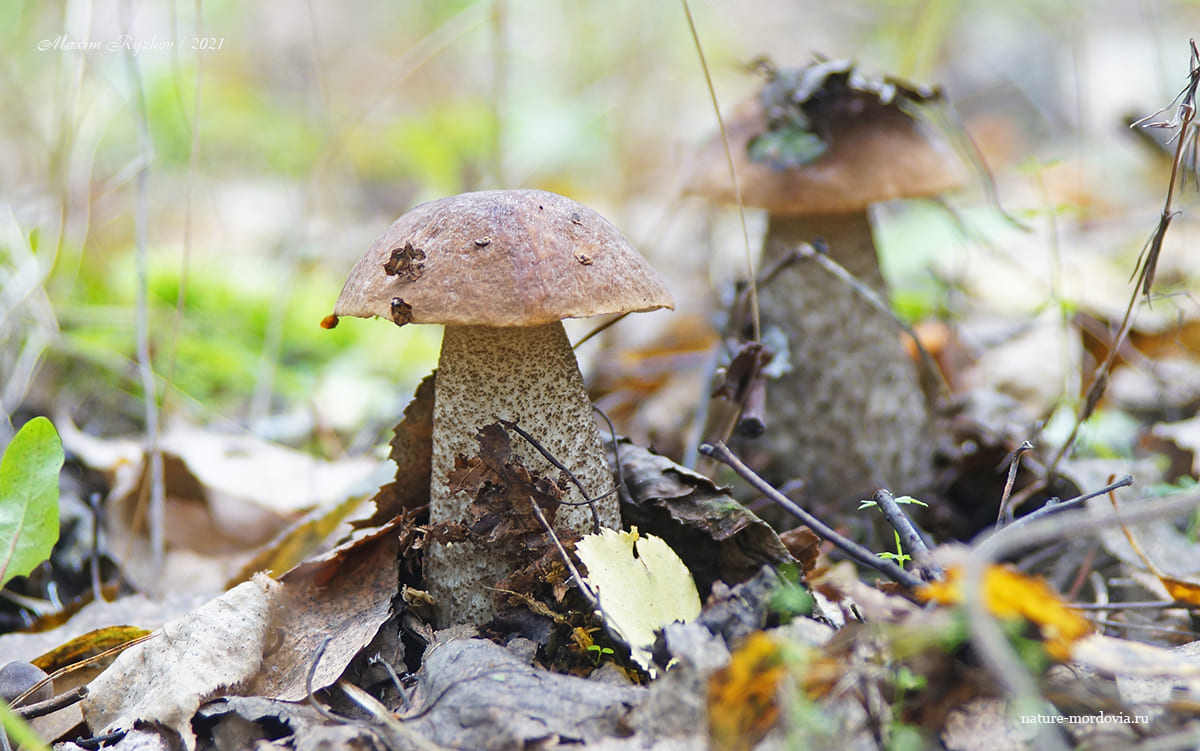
(503, 489)
(345, 596)
(258, 638)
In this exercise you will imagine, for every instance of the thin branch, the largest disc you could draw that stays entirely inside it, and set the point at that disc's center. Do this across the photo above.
(1139, 605)
(1014, 465)
(310, 695)
(910, 536)
(42, 708)
(622, 488)
(584, 588)
(1054, 507)
(587, 499)
(856, 552)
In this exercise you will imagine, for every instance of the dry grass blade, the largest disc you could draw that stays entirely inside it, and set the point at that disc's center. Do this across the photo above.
(732, 172)
(1147, 262)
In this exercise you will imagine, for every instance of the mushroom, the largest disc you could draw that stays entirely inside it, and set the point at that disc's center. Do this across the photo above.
(816, 149)
(501, 269)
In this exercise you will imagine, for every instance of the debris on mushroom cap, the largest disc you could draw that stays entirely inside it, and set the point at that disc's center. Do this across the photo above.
(824, 140)
(500, 258)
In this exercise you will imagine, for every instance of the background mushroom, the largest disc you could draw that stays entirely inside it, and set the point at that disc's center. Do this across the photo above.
(501, 269)
(815, 149)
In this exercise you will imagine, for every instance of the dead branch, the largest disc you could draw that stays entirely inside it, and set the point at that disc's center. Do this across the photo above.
(856, 552)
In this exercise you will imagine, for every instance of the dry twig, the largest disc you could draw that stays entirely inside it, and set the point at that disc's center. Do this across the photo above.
(856, 552)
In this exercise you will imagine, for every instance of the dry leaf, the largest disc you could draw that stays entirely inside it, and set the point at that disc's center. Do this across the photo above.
(717, 537)
(257, 638)
(503, 489)
(639, 592)
(199, 656)
(743, 696)
(346, 596)
(1008, 595)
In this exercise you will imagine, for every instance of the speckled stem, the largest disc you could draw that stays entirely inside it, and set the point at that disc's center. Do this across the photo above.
(850, 417)
(528, 375)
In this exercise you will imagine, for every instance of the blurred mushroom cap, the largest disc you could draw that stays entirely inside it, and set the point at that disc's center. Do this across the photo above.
(866, 146)
(500, 258)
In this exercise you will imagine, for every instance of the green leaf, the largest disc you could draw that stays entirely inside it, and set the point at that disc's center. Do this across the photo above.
(787, 148)
(29, 498)
(19, 731)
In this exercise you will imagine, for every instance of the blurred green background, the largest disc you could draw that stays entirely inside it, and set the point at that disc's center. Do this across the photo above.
(278, 139)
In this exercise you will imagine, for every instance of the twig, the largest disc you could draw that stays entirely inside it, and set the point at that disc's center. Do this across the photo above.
(82, 664)
(1054, 507)
(42, 708)
(856, 552)
(310, 695)
(809, 252)
(587, 499)
(391, 671)
(100, 741)
(910, 536)
(1014, 464)
(1140, 605)
(383, 723)
(622, 488)
(1109, 623)
(592, 598)
(584, 588)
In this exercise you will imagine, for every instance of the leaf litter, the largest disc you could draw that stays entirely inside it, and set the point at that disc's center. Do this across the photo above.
(862, 665)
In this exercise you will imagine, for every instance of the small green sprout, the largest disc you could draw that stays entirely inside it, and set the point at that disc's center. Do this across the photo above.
(899, 557)
(598, 653)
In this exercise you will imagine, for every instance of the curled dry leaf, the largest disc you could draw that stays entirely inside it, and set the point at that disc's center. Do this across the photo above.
(345, 596)
(503, 489)
(257, 639)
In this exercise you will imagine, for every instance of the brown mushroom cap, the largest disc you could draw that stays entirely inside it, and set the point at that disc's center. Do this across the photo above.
(875, 152)
(500, 258)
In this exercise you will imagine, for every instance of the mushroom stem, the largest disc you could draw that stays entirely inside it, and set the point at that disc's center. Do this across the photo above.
(850, 416)
(528, 375)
